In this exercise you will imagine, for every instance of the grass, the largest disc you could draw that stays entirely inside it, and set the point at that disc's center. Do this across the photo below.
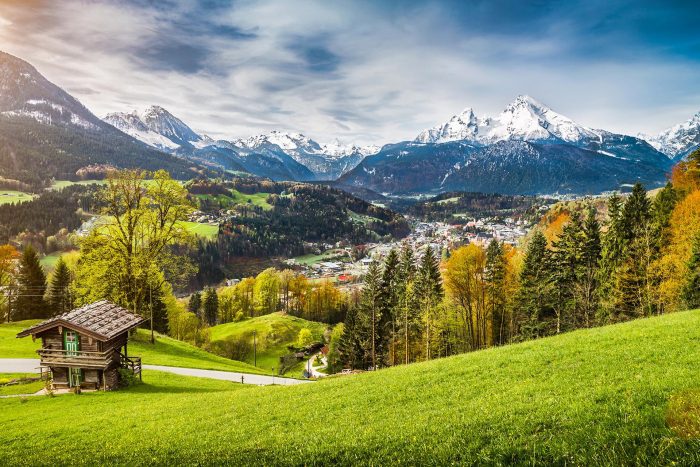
(256, 199)
(166, 351)
(207, 231)
(330, 255)
(274, 333)
(61, 184)
(591, 397)
(13, 196)
(48, 262)
(23, 386)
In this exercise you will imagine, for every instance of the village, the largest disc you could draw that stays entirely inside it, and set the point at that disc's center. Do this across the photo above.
(346, 264)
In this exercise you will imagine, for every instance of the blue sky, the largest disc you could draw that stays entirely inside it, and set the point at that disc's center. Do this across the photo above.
(366, 72)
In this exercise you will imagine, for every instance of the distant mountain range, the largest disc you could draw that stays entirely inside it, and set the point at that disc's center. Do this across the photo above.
(528, 148)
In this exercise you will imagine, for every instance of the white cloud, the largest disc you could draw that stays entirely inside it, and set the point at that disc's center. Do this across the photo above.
(390, 74)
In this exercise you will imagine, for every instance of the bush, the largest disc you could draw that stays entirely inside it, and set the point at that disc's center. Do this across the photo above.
(127, 378)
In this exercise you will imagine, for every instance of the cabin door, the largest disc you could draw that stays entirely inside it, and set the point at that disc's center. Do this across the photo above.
(71, 345)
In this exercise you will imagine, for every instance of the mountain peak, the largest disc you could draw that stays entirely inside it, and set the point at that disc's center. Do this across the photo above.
(524, 119)
(679, 140)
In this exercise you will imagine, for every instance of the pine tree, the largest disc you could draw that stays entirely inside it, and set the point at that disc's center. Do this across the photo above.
(389, 306)
(350, 345)
(566, 268)
(195, 303)
(59, 296)
(613, 247)
(533, 296)
(428, 292)
(495, 290)
(587, 286)
(404, 290)
(32, 286)
(691, 291)
(210, 306)
(370, 315)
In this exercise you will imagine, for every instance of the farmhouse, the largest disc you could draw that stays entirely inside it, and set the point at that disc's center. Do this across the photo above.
(86, 346)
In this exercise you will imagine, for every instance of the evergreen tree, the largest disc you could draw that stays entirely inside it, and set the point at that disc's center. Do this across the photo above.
(612, 255)
(210, 306)
(495, 289)
(31, 287)
(59, 297)
(195, 303)
(533, 296)
(389, 306)
(587, 287)
(691, 291)
(404, 290)
(566, 268)
(370, 316)
(428, 292)
(350, 345)
(662, 207)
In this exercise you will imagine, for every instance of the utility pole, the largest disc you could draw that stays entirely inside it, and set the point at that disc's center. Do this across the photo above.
(255, 349)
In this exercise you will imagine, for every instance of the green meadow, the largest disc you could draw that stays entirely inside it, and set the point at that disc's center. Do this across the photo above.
(617, 395)
(274, 333)
(13, 196)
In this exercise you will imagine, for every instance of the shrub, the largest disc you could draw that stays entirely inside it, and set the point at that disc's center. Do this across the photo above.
(127, 378)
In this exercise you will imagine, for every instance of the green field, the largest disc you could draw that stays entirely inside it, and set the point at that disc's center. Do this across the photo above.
(274, 333)
(61, 184)
(49, 261)
(591, 397)
(12, 196)
(166, 351)
(236, 197)
(24, 386)
(330, 255)
(207, 231)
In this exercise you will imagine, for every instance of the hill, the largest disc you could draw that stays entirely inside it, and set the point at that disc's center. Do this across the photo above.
(274, 333)
(166, 351)
(46, 133)
(602, 396)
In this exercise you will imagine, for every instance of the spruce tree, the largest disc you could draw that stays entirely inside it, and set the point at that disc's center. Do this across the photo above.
(428, 292)
(404, 290)
(691, 291)
(59, 295)
(31, 287)
(369, 318)
(389, 306)
(210, 306)
(495, 290)
(195, 303)
(566, 268)
(587, 286)
(533, 296)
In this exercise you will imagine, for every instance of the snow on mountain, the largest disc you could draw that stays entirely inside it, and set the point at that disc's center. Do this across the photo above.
(156, 127)
(525, 119)
(679, 140)
(297, 143)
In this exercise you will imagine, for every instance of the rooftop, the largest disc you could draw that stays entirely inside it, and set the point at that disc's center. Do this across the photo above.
(102, 320)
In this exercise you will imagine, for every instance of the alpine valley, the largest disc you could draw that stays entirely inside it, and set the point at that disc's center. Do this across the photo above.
(526, 149)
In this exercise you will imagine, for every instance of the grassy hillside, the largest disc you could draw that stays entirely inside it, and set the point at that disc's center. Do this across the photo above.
(13, 196)
(591, 397)
(274, 333)
(166, 351)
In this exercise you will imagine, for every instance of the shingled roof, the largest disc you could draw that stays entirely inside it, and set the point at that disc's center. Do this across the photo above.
(102, 320)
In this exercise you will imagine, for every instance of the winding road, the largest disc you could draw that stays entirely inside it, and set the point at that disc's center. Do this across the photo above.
(30, 365)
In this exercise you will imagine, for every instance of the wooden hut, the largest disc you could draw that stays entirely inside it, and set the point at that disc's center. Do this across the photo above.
(86, 346)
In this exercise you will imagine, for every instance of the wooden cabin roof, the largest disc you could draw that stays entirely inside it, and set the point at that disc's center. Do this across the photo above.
(102, 320)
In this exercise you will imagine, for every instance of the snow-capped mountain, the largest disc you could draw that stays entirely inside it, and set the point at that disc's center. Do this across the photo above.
(527, 148)
(679, 140)
(24, 92)
(524, 119)
(156, 127)
(47, 133)
(328, 161)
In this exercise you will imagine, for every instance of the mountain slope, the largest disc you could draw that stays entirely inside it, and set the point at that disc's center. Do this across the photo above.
(527, 149)
(156, 127)
(45, 132)
(679, 140)
(591, 397)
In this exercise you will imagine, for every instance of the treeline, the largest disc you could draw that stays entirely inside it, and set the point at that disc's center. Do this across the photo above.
(635, 257)
(270, 291)
(302, 214)
(443, 207)
(48, 213)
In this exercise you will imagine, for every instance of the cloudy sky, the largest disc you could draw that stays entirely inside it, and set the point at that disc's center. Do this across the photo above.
(365, 71)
